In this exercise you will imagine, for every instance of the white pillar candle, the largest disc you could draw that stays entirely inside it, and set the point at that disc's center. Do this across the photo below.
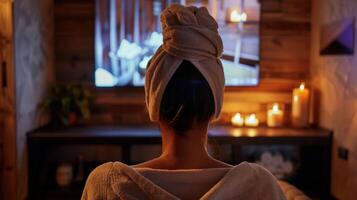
(237, 120)
(251, 120)
(275, 116)
(300, 107)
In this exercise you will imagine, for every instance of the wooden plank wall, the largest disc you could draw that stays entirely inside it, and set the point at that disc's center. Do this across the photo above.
(285, 52)
(7, 105)
(74, 40)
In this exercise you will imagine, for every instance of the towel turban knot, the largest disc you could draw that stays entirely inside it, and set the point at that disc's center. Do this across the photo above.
(189, 33)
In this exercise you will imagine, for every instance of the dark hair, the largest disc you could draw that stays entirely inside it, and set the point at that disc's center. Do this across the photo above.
(187, 99)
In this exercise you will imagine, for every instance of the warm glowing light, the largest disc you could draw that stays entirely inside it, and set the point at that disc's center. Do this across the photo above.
(243, 16)
(275, 116)
(251, 120)
(235, 16)
(302, 86)
(252, 133)
(237, 120)
(275, 108)
(296, 98)
(237, 133)
(300, 106)
(238, 17)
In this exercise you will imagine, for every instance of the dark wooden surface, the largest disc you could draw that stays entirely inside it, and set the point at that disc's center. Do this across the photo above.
(314, 145)
(145, 134)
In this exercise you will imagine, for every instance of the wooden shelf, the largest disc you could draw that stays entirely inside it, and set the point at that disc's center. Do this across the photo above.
(312, 144)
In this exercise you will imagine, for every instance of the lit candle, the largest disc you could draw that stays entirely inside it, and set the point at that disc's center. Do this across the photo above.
(300, 107)
(251, 120)
(275, 116)
(237, 120)
(238, 17)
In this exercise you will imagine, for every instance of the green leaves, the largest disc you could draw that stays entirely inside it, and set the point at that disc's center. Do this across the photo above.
(63, 101)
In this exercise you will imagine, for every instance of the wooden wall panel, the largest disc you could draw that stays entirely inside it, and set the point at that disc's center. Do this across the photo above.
(285, 39)
(74, 40)
(7, 105)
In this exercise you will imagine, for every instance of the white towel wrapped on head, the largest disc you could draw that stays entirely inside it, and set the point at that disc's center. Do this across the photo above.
(190, 34)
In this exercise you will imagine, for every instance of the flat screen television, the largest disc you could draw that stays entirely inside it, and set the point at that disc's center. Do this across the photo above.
(128, 32)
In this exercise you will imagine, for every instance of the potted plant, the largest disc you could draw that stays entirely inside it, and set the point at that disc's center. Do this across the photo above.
(66, 104)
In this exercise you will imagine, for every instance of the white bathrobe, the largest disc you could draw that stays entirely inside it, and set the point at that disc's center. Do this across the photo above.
(115, 180)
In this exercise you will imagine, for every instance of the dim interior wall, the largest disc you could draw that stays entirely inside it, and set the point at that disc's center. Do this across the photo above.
(335, 80)
(33, 25)
(285, 59)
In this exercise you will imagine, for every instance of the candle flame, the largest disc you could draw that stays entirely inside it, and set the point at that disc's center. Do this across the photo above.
(251, 120)
(237, 119)
(302, 86)
(251, 117)
(243, 16)
(275, 107)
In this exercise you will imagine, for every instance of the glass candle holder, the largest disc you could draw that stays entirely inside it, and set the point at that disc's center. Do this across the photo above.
(251, 120)
(237, 120)
(275, 115)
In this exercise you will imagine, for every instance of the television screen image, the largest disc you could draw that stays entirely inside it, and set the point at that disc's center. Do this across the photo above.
(128, 32)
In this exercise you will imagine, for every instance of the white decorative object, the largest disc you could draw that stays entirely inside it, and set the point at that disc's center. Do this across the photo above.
(276, 164)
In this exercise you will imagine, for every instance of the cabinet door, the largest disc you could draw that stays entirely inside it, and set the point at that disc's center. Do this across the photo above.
(7, 104)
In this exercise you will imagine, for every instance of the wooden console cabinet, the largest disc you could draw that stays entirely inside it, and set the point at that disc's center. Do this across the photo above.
(311, 149)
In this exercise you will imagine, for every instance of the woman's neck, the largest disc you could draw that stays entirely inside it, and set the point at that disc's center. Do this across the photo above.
(183, 149)
(186, 151)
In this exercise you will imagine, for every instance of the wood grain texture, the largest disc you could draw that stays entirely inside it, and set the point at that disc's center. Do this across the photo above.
(8, 162)
(74, 41)
(285, 40)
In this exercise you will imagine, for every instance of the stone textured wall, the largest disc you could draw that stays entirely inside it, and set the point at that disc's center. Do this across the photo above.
(335, 79)
(33, 24)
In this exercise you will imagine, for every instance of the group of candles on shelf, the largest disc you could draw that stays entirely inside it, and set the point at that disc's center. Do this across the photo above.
(275, 112)
(249, 120)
